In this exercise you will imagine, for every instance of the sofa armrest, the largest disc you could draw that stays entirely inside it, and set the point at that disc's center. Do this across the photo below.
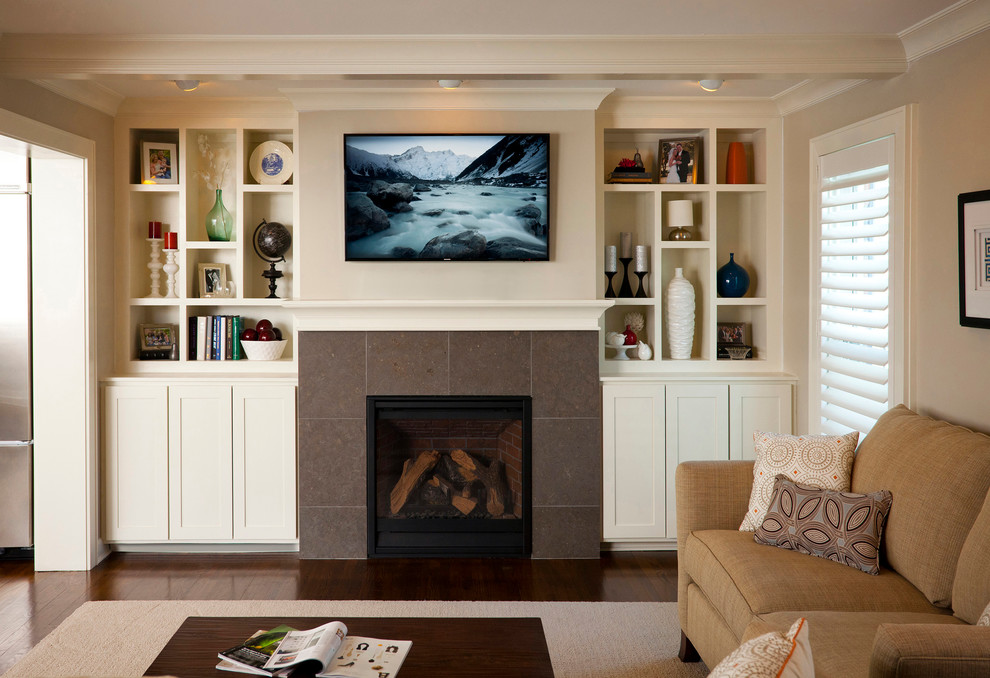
(930, 651)
(711, 495)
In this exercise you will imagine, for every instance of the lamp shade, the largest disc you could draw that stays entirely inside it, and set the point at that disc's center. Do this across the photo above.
(680, 213)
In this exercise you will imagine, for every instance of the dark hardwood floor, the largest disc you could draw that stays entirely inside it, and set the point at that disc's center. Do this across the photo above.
(32, 604)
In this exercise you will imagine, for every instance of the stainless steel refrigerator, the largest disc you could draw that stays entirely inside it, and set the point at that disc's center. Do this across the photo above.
(16, 444)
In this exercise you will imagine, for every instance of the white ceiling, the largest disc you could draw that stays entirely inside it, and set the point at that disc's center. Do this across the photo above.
(660, 47)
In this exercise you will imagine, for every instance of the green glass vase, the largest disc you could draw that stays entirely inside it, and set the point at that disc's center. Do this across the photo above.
(219, 222)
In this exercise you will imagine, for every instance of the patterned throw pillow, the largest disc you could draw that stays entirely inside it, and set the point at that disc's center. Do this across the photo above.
(773, 655)
(984, 619)
(839, 526)
(825, 461)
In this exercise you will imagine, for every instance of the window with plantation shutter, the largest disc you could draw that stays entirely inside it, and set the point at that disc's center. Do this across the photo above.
(857, 287)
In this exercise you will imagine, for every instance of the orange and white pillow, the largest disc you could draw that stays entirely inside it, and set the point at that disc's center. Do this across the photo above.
(823, 461)
(772, 655)
(984, 619)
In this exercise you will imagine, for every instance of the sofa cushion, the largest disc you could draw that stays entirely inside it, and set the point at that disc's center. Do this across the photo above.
(841, 526)
(939, 474)
(825, 461)
(771, 655)
(971, 588)
(842, 642)
(732, 571)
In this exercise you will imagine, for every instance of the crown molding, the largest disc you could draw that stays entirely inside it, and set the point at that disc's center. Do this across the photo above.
(811, 92)
(85, 92)
(944, 29)
(436, 99)
(274, 108)
(699, 108)
(674, 57)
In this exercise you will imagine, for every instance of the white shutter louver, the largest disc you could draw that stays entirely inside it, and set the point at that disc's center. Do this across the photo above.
(854, 286)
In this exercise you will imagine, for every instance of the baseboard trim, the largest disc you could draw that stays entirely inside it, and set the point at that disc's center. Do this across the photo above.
(287, 547)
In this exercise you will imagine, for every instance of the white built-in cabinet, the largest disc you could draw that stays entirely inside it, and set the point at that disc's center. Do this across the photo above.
(199, 462)
(652, 426)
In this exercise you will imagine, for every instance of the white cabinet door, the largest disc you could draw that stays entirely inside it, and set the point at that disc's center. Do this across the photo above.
(633, 455)
(757, 407)
(697, 429)
(135, 463)
(264, 462)
(200, 474)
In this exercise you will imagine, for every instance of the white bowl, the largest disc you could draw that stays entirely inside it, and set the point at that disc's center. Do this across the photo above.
(264, 350)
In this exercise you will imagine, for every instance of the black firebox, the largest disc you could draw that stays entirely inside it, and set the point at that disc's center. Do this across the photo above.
(449, 476)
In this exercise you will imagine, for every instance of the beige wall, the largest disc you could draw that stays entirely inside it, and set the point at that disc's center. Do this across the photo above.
(949, 364)
(568, 275)
(41, 105)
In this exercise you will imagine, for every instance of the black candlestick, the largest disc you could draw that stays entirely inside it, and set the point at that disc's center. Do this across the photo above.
(609, 292)
(626, 289)
(641, 292)
(272, 274)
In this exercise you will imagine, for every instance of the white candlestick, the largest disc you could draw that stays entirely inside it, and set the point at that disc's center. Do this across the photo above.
(155, 266)
(641, 263)
(170, 268)
(625, 240)
(611, 264)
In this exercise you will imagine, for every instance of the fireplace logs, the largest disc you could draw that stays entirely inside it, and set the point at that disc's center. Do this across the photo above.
(458, 480)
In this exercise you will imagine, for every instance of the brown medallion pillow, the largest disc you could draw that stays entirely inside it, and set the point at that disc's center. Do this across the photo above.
(839, 526)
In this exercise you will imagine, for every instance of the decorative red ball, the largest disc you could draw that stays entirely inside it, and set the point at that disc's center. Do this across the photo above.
(249, 335)
(263, 324)
(266, 335)
(278, 333)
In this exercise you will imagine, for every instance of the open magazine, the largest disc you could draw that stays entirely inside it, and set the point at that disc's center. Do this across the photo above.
(326, 651)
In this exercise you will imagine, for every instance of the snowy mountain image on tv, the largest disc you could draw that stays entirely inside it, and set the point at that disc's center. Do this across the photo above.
(442, 197)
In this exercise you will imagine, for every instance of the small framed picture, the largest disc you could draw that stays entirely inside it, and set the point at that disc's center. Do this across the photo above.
(680, 160)
(212, 280)
(159, 163)
(732, 333)
(974, 259)
(158, 341)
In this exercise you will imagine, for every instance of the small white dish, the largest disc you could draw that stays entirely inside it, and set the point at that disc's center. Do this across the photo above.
(271, 163)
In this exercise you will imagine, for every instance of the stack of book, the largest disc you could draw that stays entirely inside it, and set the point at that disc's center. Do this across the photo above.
(630, 175)
(215, 337)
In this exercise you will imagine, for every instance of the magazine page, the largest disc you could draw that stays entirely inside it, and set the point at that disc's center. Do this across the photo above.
(252, 655)
(367, 658)
(315, 645)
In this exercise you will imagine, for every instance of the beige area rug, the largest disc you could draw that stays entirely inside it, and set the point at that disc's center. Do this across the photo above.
(600, 640)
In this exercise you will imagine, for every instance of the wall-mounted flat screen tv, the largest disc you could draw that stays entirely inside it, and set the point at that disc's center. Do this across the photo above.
(440, 197)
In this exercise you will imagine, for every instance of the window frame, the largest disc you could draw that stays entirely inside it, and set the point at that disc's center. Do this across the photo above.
(898, 124)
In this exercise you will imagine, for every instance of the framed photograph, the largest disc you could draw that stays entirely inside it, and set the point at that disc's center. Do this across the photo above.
(974, 259)
(680, 160)
(159, 163)
(158, 341)
(732, 333)
(212, 280)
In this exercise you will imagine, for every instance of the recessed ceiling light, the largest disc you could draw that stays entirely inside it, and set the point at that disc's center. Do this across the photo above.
(186, 85)
(710, 85)
(449, 84)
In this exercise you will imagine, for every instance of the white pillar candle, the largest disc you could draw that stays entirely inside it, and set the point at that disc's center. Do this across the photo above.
(625, 239)
(611, 264)
(641, 264)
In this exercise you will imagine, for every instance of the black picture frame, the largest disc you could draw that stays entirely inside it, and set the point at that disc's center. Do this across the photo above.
(974, 259)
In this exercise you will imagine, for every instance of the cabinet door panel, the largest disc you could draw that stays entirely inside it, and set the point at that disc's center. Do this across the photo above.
(264, 462)
(200, 473)
(697, 430)
(135, 438)
(633, 454)
(757, 407)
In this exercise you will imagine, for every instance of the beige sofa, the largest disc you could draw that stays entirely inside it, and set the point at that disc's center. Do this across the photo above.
(916, 618)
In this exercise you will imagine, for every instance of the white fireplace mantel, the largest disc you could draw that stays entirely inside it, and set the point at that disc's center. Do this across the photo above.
(439, 315)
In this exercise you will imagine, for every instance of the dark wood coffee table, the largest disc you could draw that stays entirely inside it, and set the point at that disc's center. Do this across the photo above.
(443, 647)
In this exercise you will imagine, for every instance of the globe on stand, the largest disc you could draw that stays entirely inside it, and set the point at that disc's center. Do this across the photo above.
(271, 241)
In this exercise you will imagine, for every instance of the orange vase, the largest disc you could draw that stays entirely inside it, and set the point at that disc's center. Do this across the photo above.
(735, 164)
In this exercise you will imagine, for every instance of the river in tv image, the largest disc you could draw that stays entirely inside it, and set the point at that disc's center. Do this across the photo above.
(453, 219)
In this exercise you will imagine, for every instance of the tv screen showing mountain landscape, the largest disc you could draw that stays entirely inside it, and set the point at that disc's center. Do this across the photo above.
(439, 197)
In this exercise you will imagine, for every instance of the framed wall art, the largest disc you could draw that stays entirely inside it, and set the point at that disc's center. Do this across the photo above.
(159, 163)
(974, 259)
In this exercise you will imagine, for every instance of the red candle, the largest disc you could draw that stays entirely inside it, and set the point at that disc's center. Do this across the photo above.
(155, 229)
(171, 241)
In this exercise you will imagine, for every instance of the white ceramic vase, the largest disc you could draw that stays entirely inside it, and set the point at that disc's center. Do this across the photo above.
(680, 316)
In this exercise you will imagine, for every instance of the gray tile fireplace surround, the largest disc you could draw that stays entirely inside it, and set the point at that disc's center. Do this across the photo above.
(338, 369)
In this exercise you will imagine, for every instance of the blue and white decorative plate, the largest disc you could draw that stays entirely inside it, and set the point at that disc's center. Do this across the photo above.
(271, 163)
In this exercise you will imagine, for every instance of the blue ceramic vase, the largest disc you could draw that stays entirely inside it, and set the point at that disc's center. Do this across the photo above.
(732, 279)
